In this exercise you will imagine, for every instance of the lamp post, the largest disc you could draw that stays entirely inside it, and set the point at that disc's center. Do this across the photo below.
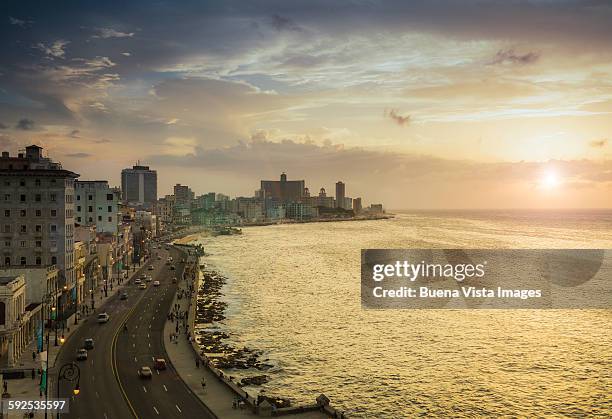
(65, 301)
(54, 318)
(69, 372)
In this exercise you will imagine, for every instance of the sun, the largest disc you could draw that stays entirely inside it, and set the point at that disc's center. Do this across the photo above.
(550, 180)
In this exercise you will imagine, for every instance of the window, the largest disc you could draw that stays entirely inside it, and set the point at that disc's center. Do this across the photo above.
(24, 228)
(90, 197)
(53, 213)
(53, 260)
(37, 182)
(78, 208)
(79, 219)
(38, 243)
(23, 243)
(109, 196)
(23, 261)
(22, 198)
(90, 219)
(99, 218)
(7, 228)
(38, 260)
(110, 219)
(22, 182)
(53, 228)
(7, 243)
(110, 208)
(7, 261)
(38, 213)
(23, 213)
(7, 213)
(7, 196)
(37, 197)
(78, 197)
(53, 197)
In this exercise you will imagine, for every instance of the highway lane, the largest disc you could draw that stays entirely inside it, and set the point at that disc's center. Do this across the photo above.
(165, 395)
(100, 396)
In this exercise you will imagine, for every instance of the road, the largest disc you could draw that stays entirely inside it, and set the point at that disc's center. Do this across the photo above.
(110, 386)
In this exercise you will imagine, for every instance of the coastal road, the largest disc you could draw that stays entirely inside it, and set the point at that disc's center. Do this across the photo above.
(165, 395)
(100, 396)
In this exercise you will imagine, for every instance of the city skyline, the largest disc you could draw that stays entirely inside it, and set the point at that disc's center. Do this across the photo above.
(406, 104)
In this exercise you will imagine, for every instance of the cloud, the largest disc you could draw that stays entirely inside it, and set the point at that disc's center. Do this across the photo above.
(282, 23)
(19, 22)
(599, 143)
(102, 141)
(400, 120)
(508, 56)
(55, 50)
(25, 124)
(78, 155)
(126, 54)
(106, 33)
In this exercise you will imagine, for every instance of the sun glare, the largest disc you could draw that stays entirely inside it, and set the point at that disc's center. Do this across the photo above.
(550, 180)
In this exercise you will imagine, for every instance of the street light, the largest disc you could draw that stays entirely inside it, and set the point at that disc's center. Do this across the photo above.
(62, 339)
(54, 317)
(69, 372)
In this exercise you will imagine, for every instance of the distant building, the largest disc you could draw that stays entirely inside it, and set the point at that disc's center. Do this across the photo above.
(283, 190)
(97, 204)
(139, 185)
(325, 201)
(348, 203)
(376, 209)
(340, 192)
(357, 205)
(301, 211)
(183, 195)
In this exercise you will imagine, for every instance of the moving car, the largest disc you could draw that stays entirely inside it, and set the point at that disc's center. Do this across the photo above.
(158, 257)
(143, 276)
(88, 344)
(81, 355)
(172, 267)
(145, 372)
(124, 296)
(149, 278)
(156, 283)
(151, 267)
(159, 364)
(142, 286)
(137, 281)
(103, 318)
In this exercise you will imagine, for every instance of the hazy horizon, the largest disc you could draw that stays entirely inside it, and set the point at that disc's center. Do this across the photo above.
(417, 105)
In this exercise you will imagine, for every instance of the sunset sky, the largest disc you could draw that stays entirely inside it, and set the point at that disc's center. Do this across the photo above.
(433, 104)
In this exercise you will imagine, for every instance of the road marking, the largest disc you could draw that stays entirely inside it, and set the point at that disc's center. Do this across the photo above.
(149, 345)
(105, 417)
(133, 345)
(144, 388)
(135, 360)
(157, 371)
(153, 358)
(178, 408)
(97, 395)
(148, 335)
(165, 387)
(155, 410)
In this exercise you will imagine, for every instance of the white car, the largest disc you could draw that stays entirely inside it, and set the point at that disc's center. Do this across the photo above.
(156, 283)
(103, 318)
(142, 286)
(145, 372)
(149, 278)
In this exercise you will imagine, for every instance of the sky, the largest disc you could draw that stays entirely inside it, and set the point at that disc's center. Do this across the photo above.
(413, 104)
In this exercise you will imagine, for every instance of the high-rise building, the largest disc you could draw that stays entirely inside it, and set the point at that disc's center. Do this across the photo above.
(283, 190)
(340, 192)
(183, 195)
(139, 186)
(97, 204)
(37, 216)
(357, 205)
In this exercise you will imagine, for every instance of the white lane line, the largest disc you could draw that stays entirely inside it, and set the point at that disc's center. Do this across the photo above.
(165, 387)
(105, 417)
(153, 358)
(155, 410)
(149, 345)
(157, 371)
(178, 408)
(135, 360)
(144, 388)
(133, 345)
(148, 336)
(97, 395)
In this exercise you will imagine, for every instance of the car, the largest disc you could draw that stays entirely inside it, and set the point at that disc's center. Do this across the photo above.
(158, 257)
(172, 267)
(88, 344)
(145, 372)
(151, 267)
(183, 260)
(156, 283)
(149, 278)
(124, 296)
(81, 355)
(103, 318)
(174, 280)
(143, 276)
(137, 281)
(159, 364)
(142, 286)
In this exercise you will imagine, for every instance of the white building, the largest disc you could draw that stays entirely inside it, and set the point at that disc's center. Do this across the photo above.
(97, 204)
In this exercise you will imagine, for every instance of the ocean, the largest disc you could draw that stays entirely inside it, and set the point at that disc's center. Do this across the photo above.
(293, 292)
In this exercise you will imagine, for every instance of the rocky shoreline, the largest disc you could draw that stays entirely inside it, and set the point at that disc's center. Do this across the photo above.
(245, 366)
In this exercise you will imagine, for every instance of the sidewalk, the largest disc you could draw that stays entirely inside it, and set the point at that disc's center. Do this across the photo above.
(217, 395)
(28, 388)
